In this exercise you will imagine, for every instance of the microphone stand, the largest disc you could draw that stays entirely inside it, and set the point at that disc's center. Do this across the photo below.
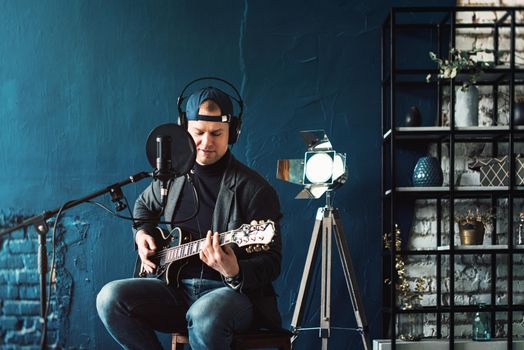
(40, 224)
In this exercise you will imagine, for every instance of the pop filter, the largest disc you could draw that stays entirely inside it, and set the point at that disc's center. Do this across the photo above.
(182, 150)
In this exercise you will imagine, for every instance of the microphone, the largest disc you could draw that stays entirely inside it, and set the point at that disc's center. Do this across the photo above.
(164, 165)
(172, 152)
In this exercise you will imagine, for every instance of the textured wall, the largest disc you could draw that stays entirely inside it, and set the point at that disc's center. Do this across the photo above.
(83, 82)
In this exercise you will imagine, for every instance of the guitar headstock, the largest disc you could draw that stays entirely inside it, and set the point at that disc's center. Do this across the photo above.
(259, 234)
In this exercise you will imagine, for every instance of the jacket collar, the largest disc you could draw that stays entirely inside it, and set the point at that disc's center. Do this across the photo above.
(226, 197)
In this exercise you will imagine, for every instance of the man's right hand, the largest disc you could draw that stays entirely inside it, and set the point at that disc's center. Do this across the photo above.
(146, 248)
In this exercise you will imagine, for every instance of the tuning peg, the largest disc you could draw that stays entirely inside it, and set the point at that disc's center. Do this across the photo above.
(265, 247)
(257, 248)
(253, 222)
(249, 249)
(261, 222)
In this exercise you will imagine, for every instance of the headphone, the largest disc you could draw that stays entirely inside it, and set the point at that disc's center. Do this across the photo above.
(234, 122)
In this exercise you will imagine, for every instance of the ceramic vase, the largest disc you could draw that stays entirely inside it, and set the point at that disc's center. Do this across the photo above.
(518, 113)
(467, 107)
(413, 117)
(427, 172)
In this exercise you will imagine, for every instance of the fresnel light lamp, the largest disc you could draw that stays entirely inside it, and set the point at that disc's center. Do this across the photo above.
(321, 169)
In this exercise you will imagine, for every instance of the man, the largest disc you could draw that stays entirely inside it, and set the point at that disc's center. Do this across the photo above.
(223, 290)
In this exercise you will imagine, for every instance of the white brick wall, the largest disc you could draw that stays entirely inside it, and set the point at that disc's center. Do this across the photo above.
(472, 273)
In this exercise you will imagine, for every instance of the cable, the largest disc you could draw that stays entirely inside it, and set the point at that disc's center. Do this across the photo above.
(129, 210)
(131, 217)
(197, 204)
(152, 221)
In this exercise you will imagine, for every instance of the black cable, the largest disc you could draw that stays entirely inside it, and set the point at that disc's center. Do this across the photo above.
(131, 218)
(152, 221)
(197, 204)
(129, 210)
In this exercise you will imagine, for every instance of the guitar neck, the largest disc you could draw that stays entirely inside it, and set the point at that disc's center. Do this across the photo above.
(186, 250)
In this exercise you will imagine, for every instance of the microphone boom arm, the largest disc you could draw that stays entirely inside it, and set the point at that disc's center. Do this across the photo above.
(39, 220)
(40, 223)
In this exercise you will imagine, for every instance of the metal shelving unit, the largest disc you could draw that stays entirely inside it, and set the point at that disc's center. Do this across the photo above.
(398, 72)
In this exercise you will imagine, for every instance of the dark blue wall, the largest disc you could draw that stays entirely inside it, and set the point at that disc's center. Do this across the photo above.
(83, 82)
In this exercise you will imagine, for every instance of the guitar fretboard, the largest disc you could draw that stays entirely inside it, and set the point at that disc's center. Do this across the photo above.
(185, 250)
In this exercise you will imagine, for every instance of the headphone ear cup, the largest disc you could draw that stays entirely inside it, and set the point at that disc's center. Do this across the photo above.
(234, 130)
(182, 120)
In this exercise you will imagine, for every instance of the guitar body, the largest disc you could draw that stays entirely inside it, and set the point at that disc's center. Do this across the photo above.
(173, 247)
(168, 272)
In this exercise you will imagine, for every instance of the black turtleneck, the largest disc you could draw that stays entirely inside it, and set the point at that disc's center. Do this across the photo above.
(207, 180)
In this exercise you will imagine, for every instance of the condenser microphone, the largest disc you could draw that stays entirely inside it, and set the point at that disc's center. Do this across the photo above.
(164, 165)
(171, 151)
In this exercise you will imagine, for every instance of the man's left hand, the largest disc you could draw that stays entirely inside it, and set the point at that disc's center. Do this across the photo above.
(221, 259)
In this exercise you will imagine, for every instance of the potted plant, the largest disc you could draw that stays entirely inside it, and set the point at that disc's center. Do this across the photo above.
(468, 61)
(472, 226)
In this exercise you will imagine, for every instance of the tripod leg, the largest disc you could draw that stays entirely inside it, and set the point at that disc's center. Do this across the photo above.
(325, 291)
(306, 275)
(351, 281)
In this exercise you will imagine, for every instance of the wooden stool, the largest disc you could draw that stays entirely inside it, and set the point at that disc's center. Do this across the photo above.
(254, 339)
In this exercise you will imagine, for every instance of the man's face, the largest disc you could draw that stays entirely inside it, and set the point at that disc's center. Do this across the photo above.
(210, 140)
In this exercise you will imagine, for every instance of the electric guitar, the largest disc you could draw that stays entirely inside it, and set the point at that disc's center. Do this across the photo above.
(255, 237)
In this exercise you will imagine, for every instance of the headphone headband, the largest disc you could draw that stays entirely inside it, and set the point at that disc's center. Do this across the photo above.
(234, 123)
(238, 98)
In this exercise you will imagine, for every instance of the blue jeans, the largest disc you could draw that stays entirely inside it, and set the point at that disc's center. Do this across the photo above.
(132, 309)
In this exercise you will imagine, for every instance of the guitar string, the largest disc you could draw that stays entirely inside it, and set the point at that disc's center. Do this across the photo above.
(165, 252)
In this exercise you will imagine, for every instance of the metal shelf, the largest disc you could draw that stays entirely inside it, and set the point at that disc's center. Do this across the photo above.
(469, 134)
(458, 191)
(398, 82)
(461, 250)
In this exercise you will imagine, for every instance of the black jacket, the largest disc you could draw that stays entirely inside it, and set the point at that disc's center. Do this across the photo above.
(244, 196)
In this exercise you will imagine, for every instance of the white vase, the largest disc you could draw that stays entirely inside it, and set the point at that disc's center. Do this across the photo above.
(467, 107)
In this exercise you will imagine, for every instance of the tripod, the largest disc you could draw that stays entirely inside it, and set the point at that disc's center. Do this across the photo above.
(328, 219)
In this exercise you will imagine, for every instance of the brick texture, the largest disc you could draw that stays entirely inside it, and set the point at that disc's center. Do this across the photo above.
(20, 291)
(473, 274)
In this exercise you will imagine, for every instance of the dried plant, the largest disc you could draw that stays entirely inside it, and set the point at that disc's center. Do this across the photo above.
(408, 298)
(470, 219)
(461, 61)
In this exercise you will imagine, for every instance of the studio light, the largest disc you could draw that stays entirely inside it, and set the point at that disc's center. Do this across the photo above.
(321, 169)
